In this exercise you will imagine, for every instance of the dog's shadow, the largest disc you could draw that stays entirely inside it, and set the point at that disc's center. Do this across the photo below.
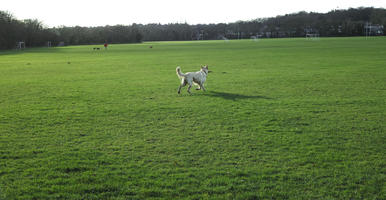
(234, 97)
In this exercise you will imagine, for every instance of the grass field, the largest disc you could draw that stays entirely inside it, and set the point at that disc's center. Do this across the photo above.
(282, 119)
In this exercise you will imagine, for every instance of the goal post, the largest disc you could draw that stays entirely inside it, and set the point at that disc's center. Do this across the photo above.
(255, 38)
(312, 36)
(20, 45)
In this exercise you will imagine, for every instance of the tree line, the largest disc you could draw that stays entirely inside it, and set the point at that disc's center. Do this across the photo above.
(33, 33)
(351, 22)
(336, 23)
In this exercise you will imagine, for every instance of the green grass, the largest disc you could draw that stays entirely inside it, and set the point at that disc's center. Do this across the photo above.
(282, 119)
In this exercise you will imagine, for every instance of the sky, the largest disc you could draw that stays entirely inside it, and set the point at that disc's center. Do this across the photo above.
(125, 12)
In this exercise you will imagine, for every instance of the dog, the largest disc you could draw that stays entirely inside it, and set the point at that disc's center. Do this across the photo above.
(197, 78)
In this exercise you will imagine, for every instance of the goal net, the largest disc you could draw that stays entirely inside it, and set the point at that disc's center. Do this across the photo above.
(312, 36)
(20, 45)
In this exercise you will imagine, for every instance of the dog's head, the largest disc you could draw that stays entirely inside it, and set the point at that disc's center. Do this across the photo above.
(205, 69)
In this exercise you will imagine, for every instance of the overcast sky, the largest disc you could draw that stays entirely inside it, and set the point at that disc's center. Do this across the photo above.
(112, 12)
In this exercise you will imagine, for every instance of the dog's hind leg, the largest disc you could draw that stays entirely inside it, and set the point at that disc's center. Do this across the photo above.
(183, 83)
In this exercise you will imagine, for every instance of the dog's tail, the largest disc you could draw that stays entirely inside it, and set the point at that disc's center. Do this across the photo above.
(179, 73)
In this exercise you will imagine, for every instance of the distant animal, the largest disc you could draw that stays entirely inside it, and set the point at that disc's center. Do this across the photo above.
(189, 78)
(97, 48)
(150, 47)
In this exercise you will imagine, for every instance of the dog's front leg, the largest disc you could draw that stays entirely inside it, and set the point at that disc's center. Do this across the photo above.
(203, 88)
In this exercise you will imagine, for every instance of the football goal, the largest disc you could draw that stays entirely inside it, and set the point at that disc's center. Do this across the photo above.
(20, 45)
(312, 36)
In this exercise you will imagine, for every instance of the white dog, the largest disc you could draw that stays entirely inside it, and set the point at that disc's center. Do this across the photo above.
(197, 78)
